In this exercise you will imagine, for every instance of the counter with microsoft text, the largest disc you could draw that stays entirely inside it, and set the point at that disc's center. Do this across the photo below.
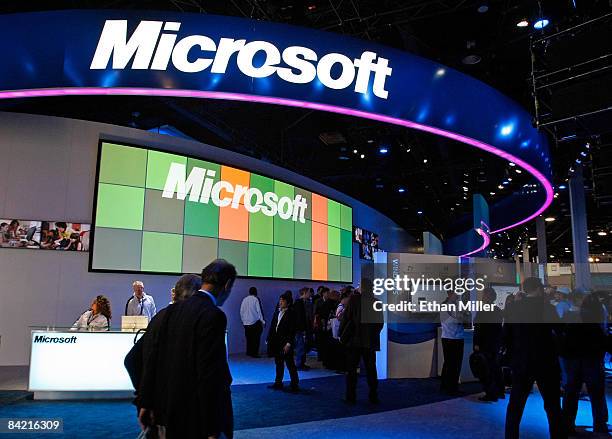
(67, 364)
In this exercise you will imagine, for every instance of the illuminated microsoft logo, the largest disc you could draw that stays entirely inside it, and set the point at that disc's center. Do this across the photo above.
(201, 187)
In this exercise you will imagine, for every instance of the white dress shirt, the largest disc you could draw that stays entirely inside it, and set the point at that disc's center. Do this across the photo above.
(250, 311)
(89, 322)
(142, 307)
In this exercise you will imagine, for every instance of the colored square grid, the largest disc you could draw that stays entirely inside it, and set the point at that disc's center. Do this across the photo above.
(319, 266)
(333, 268)
(307, 195)
(261, 228)
(123, 165)
(333, 213)
(303, 235)
(346, 243)
(319, 208)
(284, 232)
(120, 207)
(201, 219)
(333, 240)
(162, 252)
(117, 249)
(346, 269)
(319, 237)
(234, 223)
(302, 264)
(346, 218)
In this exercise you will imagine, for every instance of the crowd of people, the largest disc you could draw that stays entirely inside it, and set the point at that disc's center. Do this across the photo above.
(179, 367)
(542, 336)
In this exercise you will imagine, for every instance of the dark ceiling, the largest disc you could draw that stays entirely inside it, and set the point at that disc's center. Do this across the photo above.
(432, 171)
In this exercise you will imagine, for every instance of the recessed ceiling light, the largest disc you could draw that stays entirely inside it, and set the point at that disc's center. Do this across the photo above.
(362, 156)
(541, 24)
(602, 233)
(518, 171)
(354, 151)
(589, 240)
(549, 219)
(511, 164)
(419, 212)
(500, 187)
(370, 141)
(424, 160)
(522, 23)
(472, 59)
(383, 150)
(491, 193)
(408, 150)
(533, 238)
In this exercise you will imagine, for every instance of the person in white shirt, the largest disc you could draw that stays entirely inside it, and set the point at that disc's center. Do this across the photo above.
(140, 304)
(96, 318)
(452, 345)
(252, 318)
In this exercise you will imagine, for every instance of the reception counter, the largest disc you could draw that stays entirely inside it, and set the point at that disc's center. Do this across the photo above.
(67, 364)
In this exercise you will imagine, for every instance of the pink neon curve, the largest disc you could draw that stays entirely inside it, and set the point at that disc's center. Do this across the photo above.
(486, 240)
(79, 91)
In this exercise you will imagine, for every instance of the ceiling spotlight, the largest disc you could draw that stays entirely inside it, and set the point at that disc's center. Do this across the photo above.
(533, 238)
(589, 240)
(483, 7)
(562, 186)
(549, 219)
(370, 141)
(552, 256)
(354, 151)
(383, 150)
(401, 190)
(568, 251)
(522, 23)
(518, 171)
(491, 193)
(425, 161)
(500, 187)
(465, 189)
(602, 233)
(408, 150)
(509, 178)
(440, 72)
(541, 24)
(362, 156)
(419, 212)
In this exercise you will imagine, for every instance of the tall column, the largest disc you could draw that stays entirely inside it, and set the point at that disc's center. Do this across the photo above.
(579, 231)
(541, 236)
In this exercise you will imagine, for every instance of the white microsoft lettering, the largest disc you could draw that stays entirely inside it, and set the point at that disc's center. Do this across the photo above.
(201, 187)
(153, 45)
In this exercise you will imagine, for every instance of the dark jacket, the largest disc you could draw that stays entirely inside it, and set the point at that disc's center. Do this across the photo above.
(488, 330)
(302, 322)
(187, 379)
(529, 335)
(362, 323)
(278, 338)
(141, 351)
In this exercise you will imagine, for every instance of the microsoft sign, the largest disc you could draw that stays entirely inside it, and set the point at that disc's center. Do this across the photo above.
(159, 212)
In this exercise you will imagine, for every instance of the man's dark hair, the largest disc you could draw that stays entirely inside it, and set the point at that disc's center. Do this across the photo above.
(490, 291)
(186, 286)
(253, 291)
(218, 273)
(288, 296)
(61, 224)
(532, 285)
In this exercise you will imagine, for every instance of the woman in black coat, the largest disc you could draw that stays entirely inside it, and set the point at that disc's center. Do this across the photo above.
(281, 341)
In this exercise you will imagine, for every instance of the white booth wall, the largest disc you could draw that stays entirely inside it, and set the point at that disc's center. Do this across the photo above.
(47, 172)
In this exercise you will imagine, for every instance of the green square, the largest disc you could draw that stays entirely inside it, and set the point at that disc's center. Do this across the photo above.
(193, 163)
(284, 232)
(284, 189)
(162, 252)
(346, 269)
(264, 184)
(123, 165)
(307, 195)
(346, 218)
(260, 260)
(303, 235)
(120, 207)
(261, 228)
(201, 219)
(333, 268)
(333, 240)
(346, 243)
(333, 213)
(283, 262)
(302, 264)
(158, 165)
(235, 252)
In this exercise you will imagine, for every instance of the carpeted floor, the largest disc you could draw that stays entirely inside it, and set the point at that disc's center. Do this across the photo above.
(255, 406)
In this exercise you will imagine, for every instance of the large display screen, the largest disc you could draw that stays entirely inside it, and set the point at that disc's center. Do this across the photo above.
(166, 213)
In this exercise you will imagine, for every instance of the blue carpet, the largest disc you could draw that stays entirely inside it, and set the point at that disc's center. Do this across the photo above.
(254, 406)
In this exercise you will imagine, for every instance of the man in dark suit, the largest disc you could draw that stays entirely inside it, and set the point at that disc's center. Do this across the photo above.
(186, 382)
(135, 360)
(281, 340)
(360, 332)
(529, 335)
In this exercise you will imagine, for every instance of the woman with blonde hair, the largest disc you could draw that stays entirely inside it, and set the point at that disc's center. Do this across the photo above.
(96, 318)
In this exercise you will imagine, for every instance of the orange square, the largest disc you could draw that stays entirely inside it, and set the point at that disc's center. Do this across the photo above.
(235, 177)
(319, 209)
(234, 223)
(319, 266)
(319, 237)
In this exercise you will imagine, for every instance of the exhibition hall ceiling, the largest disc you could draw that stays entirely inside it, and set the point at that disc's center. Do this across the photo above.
(421, 181)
